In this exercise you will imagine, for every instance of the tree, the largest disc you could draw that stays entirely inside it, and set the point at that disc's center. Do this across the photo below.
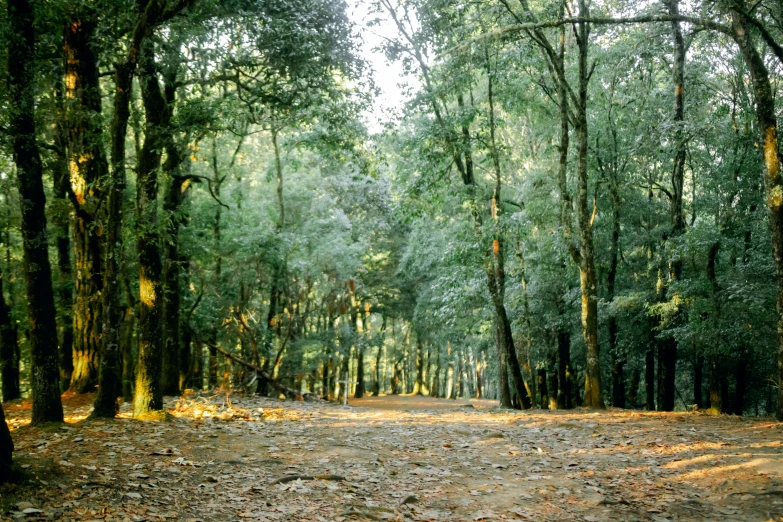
(45, 375)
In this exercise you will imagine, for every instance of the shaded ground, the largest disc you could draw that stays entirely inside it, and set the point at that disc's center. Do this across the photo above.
(218, 458)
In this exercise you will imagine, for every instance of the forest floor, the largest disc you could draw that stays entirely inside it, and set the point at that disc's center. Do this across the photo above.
(392, 458)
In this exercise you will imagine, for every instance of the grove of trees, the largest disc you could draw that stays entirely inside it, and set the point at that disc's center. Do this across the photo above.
(580, 204)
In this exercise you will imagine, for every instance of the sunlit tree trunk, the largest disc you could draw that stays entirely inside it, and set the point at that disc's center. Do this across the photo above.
(587, 273)
(45, 374)
(87, 166)
(148, 396)
(105, 401)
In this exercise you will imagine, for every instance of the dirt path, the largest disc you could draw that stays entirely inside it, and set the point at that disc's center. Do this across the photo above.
(219, 460)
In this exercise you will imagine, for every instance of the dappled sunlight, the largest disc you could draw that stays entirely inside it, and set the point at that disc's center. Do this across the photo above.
(456, 460)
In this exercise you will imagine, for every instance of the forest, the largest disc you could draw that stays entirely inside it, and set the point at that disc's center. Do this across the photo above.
(572, 208)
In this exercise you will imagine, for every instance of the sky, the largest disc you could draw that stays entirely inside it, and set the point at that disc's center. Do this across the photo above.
(388, 76)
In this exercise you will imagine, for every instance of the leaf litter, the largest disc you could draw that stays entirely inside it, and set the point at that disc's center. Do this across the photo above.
(253, 458)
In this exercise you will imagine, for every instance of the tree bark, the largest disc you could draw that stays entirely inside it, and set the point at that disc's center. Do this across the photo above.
(418, 387)
(45, 374)
(176, 191)
(378, 359)
(212, 341)
(667, 352)
(773, 182)
(649, 378)
(553, 381)
(62, 226)
(148, 396)
(435, 391)
(587, 273)
(543, 391)
(618, 362)
(148, 12)
(564, 375)
(633, 389)
(88, 167)
(496, 273)
(359, 390)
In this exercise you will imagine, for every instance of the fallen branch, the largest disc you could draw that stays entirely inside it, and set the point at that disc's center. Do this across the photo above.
(292, 478)
(288, 392)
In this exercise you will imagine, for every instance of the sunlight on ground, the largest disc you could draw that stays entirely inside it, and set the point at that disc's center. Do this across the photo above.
(226, 457)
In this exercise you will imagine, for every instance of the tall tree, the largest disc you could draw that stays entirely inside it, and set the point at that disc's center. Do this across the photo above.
(770, 149)
(45, 374)
(88, 168)
(148, 395)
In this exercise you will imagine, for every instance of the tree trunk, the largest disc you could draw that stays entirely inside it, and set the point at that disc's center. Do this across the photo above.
(564, 376)
(667, 352)
(45, 374)
(378, 379)
(618, 381)
(148, 396)
(6, 448)
(105, 401)
(618, 360)
(553, 381)
(87, 166)
(649, 379)
(359, 391)
(418, 387)
(496, 274)
(435, 391)
(773, 182)
(739, 392)
(126, 353)
(172, 263)
(698, 379)
(62, 225)
(715, 388)
(543, 391)
(633, 389)
(504, 394)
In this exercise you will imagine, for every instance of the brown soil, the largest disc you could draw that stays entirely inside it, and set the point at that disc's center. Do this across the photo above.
(222, 458)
